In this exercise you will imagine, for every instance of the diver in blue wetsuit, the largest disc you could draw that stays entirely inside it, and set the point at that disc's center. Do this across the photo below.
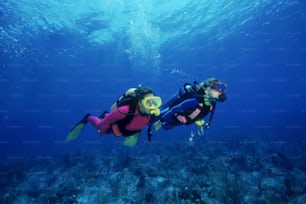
(191, 104)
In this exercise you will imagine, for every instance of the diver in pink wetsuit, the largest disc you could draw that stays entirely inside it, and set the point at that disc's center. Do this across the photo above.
(128, 116)
(115, 122)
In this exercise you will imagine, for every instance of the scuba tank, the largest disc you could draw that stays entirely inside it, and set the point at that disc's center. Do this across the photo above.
(185, 92)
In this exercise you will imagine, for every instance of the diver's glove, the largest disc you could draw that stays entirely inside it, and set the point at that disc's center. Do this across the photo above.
(200, 126)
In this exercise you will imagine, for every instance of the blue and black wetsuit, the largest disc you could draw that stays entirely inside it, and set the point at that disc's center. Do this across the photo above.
(169, 119)
(188, 103)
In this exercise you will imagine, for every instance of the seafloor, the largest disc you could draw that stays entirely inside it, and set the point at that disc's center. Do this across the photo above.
(215, 171)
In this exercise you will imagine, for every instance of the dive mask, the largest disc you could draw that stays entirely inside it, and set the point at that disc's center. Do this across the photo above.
(152, 103)
(219, 86)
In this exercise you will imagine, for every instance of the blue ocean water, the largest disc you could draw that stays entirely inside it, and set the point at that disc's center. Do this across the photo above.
(62, 59)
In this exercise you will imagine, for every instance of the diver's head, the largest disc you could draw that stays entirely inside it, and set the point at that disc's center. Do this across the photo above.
(214, 89)
(148, 102)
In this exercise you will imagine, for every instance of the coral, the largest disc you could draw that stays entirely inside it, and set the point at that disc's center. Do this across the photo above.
(171, 174)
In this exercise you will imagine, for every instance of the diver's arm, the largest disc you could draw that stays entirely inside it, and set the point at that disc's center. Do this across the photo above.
(185, 105)
(114, 116)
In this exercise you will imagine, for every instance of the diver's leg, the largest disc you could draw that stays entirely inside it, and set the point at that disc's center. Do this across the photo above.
(95, 121)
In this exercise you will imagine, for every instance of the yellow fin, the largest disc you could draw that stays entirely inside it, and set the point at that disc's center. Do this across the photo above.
(200, 130)
(75, 132)
(131, 141)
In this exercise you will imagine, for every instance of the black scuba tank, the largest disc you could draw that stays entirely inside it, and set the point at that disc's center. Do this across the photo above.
(185, 92)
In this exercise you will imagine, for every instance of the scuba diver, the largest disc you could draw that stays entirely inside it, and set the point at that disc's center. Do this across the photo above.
(190, 105)
(129, 115)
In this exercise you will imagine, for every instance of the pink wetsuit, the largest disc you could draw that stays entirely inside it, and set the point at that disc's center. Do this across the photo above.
(103, 125)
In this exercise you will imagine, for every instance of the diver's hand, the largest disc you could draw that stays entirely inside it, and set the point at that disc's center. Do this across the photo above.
(157, 125)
